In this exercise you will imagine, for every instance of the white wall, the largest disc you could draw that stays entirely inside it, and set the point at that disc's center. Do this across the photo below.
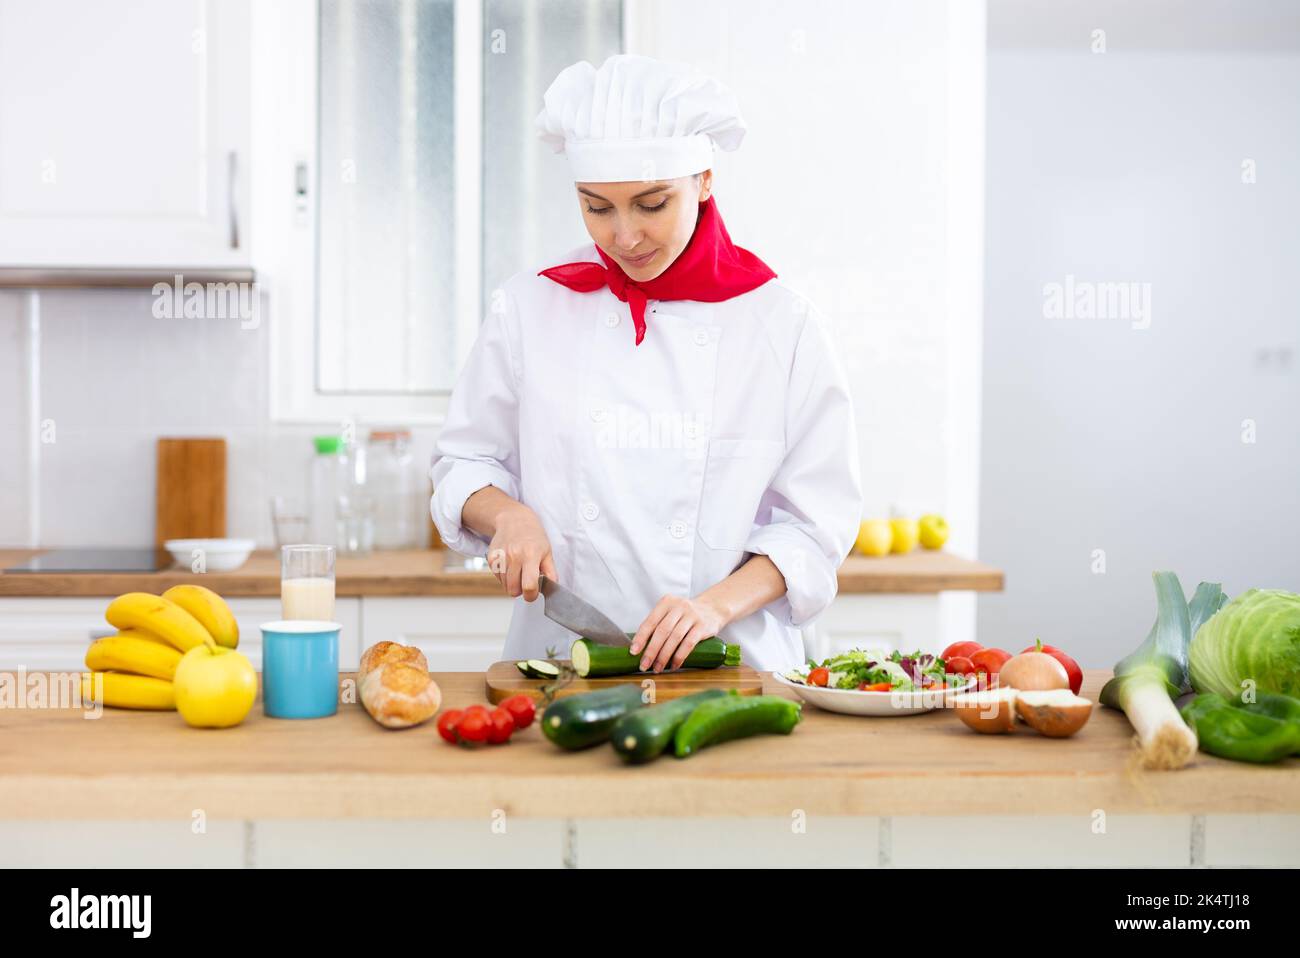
(1127, 166)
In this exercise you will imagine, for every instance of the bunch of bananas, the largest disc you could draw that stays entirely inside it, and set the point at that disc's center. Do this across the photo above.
(134, 668)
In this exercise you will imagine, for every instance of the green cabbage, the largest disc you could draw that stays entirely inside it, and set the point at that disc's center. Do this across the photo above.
(1254, 638)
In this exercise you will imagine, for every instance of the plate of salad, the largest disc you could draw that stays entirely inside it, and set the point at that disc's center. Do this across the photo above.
(873, 682)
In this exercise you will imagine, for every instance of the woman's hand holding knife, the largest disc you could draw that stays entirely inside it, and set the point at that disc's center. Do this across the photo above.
(519, 550)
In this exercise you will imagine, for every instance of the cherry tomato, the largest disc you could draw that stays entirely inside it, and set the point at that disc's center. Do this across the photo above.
(877, 687)
(474, 727)
(500, 726)
(479, 709)
(960, 650)
(988, 662)
(819, 676)
(522, 709)
(958, 665)
(447, 723)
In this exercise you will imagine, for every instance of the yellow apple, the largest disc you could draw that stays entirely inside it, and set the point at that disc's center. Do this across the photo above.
(906, 532)
(934, 531)
(874, 537)
(215, 686)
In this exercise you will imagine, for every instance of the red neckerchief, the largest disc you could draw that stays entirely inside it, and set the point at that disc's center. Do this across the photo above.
(709, 270)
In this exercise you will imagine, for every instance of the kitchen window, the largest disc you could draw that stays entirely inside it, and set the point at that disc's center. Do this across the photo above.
(419, 186)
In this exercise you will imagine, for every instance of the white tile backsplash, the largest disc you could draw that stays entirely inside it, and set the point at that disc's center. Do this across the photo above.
(113, 379)
(13, 418)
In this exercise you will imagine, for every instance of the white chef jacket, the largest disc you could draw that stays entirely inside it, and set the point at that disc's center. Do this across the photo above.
(655, 469)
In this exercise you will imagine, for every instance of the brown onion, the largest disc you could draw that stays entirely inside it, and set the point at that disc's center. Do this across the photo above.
(1034, 672)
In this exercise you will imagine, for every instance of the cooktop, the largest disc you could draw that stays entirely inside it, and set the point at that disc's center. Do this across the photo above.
(96, 560)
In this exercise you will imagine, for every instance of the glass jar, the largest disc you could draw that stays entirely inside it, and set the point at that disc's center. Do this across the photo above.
(394, 488)
(356, 501)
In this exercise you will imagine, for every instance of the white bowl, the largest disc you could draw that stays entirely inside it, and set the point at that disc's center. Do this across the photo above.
(879, 704)
(219, 555)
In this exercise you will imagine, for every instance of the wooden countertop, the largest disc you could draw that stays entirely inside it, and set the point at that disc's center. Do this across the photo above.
(55, 763)
(421, 572)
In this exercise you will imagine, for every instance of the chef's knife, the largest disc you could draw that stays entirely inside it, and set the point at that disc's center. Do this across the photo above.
(563, 607)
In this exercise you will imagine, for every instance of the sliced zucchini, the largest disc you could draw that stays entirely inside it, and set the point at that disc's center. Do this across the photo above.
(543, 669)
(538, 669)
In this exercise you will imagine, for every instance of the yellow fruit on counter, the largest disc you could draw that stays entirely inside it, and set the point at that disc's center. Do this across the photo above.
(126, 653)
(122, 691)
(874, 537)
(162, 617)
(933, 531)
(215, 686)
(146, 636)
(211, 611)
(906, 532)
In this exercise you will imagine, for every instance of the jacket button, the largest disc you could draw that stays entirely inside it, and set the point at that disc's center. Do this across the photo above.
(677, 528)
(701, 337)
(611, 320)
(590, 511)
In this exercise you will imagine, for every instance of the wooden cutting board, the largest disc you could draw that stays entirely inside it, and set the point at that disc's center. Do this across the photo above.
(505, 680)
(191, 491)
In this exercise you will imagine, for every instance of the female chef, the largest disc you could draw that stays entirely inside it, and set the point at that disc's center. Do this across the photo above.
(654, 420)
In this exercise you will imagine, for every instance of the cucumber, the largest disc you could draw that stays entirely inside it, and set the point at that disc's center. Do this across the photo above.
(538, 669)
(592, 660)
(580, 721)
(736, 716)
(644, 734)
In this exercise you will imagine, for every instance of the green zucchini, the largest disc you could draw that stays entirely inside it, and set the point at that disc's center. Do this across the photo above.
(539, 669)
(592, 660)
(579, 721)
(736, 716)
(643, 735)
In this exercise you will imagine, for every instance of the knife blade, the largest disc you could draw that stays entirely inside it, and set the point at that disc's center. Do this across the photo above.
(564, 608)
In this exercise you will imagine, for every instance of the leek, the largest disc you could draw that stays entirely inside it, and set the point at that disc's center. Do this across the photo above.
(1148, 680)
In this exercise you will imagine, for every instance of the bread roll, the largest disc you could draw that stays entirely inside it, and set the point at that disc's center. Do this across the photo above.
(399, 694)
(382, 652)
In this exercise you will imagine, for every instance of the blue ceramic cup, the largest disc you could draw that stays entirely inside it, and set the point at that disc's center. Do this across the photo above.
(300, 669)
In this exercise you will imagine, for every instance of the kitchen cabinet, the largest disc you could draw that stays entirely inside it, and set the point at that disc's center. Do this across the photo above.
(52, 634)
(135, 153)
(455, 633)
(887, 622)
(822, 841)
(839, 791)
(457, 618)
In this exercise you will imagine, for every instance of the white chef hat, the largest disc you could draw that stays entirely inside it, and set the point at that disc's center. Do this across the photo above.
(637, 118)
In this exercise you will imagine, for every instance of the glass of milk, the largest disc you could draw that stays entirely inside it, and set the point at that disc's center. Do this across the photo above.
(307, 583)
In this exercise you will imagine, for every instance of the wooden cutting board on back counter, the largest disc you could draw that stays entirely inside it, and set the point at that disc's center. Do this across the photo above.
(191, 490)
(505, 680)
